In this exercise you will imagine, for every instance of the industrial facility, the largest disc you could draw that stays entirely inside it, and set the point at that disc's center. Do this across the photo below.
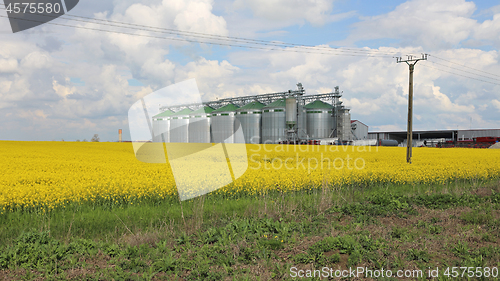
(285, 117)
(473, 138)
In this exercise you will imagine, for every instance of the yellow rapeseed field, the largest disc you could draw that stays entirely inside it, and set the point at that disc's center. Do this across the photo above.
(53, 174)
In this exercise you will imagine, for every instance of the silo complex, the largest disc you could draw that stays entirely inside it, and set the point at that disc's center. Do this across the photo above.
(179, 123)
(289, 117)
(250, 118)
(319, 119)
(273, 122)
(223, 124)
(161, 126)
(199, 125)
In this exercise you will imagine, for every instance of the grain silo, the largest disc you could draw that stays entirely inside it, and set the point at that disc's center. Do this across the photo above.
(223, 124)
(199, 125)
(319, 119)
(302, 122)
(250, 118)
(344, 124)
(161, 126)
(179, 123)
(273, 122)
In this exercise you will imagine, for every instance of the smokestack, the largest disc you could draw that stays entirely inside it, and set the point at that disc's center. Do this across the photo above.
(119, 135)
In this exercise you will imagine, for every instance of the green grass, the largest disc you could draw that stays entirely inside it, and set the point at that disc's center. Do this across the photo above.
(259, 237)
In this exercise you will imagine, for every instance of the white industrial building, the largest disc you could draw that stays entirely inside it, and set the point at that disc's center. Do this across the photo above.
(434, 135)
(359, 130)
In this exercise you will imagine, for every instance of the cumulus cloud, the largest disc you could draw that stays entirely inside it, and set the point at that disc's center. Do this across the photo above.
(430, 96)
(36, 71)
(496, 103)
(8, 65)
(427, 23)
(362, 107)
(76, 82)
(317, 12)
(484, 31)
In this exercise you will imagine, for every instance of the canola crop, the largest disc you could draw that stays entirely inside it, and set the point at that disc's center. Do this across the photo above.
(48, 175)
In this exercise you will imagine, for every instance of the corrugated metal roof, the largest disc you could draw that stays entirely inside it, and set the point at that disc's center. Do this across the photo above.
(277, 104)
(317, 104)
(185, 111)
(205, 109)
(253, 105)
(164, 114)
(227, 108)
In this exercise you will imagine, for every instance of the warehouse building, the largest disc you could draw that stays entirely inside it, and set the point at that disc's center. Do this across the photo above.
(432, 137)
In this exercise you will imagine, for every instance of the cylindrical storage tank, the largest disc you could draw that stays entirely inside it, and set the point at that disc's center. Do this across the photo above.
(291, 112)
(250, 117)
(161, 126)
(199, 125)
(223, 124)
(302, 122)
(179, 123)
(273, 122)
(319, 119)
(346, 117)
(388, 143)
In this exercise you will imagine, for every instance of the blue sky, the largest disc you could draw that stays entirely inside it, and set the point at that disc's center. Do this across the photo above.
(70, 83)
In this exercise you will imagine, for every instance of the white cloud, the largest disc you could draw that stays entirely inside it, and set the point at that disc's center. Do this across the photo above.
(38, 98)
(8, 65)
(496, 103)
(61, 90)
(485, 30)
(427, 23)
(363, 108)
(32, 114)
(317, 12)
(36, 60)
(187, 15)
(431, 97)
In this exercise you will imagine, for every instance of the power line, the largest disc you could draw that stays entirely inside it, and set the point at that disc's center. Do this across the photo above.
(461, 75)
(464, 65)
(265, 42)
(211, 37)
(205, 42)
(241, 42)
(465, 71)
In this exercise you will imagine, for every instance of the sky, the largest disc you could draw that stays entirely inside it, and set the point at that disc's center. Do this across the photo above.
(69, 80)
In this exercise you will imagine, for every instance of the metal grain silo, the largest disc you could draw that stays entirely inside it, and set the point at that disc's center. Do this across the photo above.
(223, 124)
(250, 117)
(161, 126)
(291, 112)
(179, 123)
(344, 131)
(273, 122)
(319, 119)
(302, 122)
(199, 125)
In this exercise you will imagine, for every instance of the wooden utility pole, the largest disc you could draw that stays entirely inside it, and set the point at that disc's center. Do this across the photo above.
(409, 135)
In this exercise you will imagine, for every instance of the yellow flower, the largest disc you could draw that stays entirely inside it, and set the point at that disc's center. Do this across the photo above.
(48, 175)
